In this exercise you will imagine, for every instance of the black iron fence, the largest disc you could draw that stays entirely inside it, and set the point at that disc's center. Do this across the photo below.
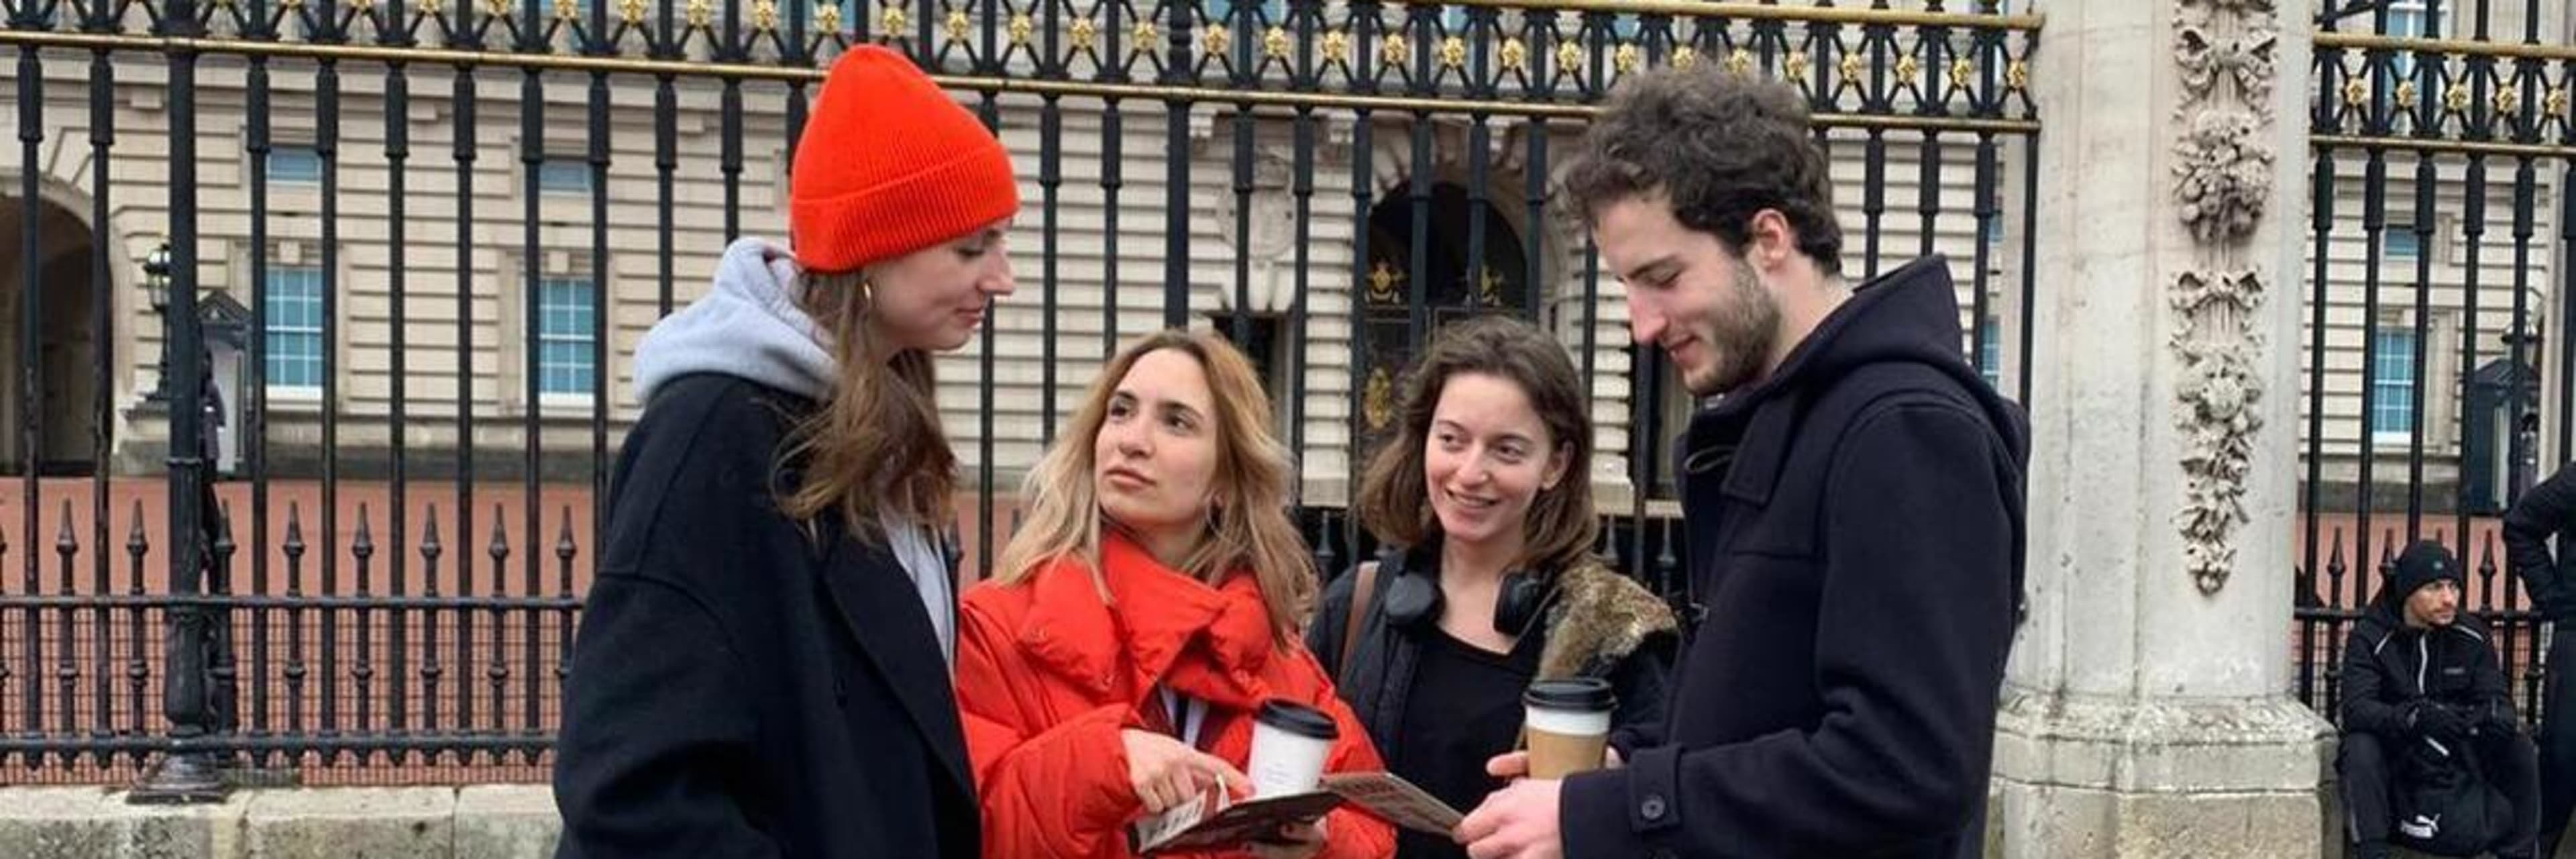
(2441, 226)
(398, 252)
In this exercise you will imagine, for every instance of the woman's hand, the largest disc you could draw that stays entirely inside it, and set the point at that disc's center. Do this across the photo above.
(1293, 841)
(1166, 773)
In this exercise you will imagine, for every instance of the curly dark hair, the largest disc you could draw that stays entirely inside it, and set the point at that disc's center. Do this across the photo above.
(1722, 146)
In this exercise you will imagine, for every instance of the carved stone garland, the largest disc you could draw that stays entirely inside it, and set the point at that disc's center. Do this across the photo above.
(2222, 179)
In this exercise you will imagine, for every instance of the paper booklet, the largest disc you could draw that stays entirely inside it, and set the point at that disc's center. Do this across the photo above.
(1216, 822)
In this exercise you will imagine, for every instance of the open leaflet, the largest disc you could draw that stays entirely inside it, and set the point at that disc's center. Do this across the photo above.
(1217, 822)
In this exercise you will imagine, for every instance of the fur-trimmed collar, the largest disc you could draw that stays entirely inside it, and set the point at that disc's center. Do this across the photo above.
(1596, 620)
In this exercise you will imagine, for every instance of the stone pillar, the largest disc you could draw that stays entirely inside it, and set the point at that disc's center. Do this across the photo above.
(2148, 709)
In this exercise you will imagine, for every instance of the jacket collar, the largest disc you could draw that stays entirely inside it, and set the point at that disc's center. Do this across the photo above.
(1747, 433)
(1165, 627)
(1745, 448)
(901, 643)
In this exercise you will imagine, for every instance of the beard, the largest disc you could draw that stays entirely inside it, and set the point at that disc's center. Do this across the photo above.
(1739, 335)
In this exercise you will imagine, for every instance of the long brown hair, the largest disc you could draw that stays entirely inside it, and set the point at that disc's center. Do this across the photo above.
(1392, 491)
(874, 448)
(1249, 528)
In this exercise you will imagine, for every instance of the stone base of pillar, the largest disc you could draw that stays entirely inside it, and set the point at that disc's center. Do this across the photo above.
(2083, 776)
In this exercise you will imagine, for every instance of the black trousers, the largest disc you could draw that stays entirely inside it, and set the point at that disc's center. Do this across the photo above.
(2509, 760)
(2558, 738)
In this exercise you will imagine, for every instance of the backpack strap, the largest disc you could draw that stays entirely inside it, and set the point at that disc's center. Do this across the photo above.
(1365, 585)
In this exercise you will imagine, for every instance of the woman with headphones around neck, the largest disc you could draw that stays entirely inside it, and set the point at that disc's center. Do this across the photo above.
(1482, 495)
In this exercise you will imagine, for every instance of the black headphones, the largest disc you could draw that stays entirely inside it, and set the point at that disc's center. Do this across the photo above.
(1413, 596)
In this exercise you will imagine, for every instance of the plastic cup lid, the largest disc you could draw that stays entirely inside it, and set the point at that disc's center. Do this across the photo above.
(1584, 694)
(1299, 719)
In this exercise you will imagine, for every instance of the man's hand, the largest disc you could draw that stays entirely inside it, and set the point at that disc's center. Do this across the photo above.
(1512, 765)
(1517, 822)
(2497, 717)
(2436, 721)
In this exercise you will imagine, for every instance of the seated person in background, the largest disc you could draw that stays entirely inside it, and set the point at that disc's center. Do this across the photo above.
(2417, 669)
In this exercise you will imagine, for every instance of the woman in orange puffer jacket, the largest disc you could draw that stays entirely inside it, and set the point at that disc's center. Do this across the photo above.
(1147, 607)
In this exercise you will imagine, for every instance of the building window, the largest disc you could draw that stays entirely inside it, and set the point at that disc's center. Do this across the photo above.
(1990, 350)
(1265, 344)
(1999, 54)
(2392, 385)
(291, 311)
(563, 176)
(2401, 242)
(1223, 11)
(2407, 19)
(566, 332)
(1625, 27)
(295, 164)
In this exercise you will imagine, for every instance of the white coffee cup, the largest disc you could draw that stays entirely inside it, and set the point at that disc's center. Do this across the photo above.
(1289, 744)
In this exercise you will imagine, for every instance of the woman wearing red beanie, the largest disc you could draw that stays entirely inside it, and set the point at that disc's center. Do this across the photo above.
(763, 665)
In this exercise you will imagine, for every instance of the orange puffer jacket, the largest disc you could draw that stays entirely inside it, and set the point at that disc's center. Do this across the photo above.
(1048, 674)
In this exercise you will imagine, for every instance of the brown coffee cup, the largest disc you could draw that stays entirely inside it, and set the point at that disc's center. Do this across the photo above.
(1567, 725)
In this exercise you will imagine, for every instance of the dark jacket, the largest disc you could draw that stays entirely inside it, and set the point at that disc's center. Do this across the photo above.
(738, 687)
(2388, 667)
(1598, 624)
(2548, 510)
(1855, 527)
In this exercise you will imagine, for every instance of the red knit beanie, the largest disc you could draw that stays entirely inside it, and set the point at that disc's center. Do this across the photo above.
(888, 165)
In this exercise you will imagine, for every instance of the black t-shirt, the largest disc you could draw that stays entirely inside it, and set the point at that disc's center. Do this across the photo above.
(1465, 708)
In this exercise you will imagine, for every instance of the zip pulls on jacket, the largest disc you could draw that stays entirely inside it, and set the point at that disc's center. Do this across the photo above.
(1187, 714)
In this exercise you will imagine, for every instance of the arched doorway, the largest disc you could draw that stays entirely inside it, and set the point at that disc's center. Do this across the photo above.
(66, 353)
(1458, 281)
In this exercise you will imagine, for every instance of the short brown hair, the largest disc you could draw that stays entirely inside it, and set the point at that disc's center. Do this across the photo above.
(1720, 146)
(1561, 526)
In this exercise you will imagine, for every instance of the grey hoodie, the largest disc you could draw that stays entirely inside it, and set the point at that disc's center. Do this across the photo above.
(748, 326)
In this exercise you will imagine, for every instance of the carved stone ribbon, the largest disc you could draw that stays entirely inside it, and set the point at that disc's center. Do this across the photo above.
(2223, 169)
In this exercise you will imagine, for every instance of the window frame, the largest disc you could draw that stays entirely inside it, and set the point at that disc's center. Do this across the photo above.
(2385, 391)
(587, 343)
(275, 332)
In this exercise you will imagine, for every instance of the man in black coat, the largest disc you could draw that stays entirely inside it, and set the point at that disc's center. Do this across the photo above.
(1854, 507)
(2414, 668)
(2549, 511)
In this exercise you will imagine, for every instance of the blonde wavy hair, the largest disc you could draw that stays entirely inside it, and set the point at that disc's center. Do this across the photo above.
(875, 446)
(1249, 527)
